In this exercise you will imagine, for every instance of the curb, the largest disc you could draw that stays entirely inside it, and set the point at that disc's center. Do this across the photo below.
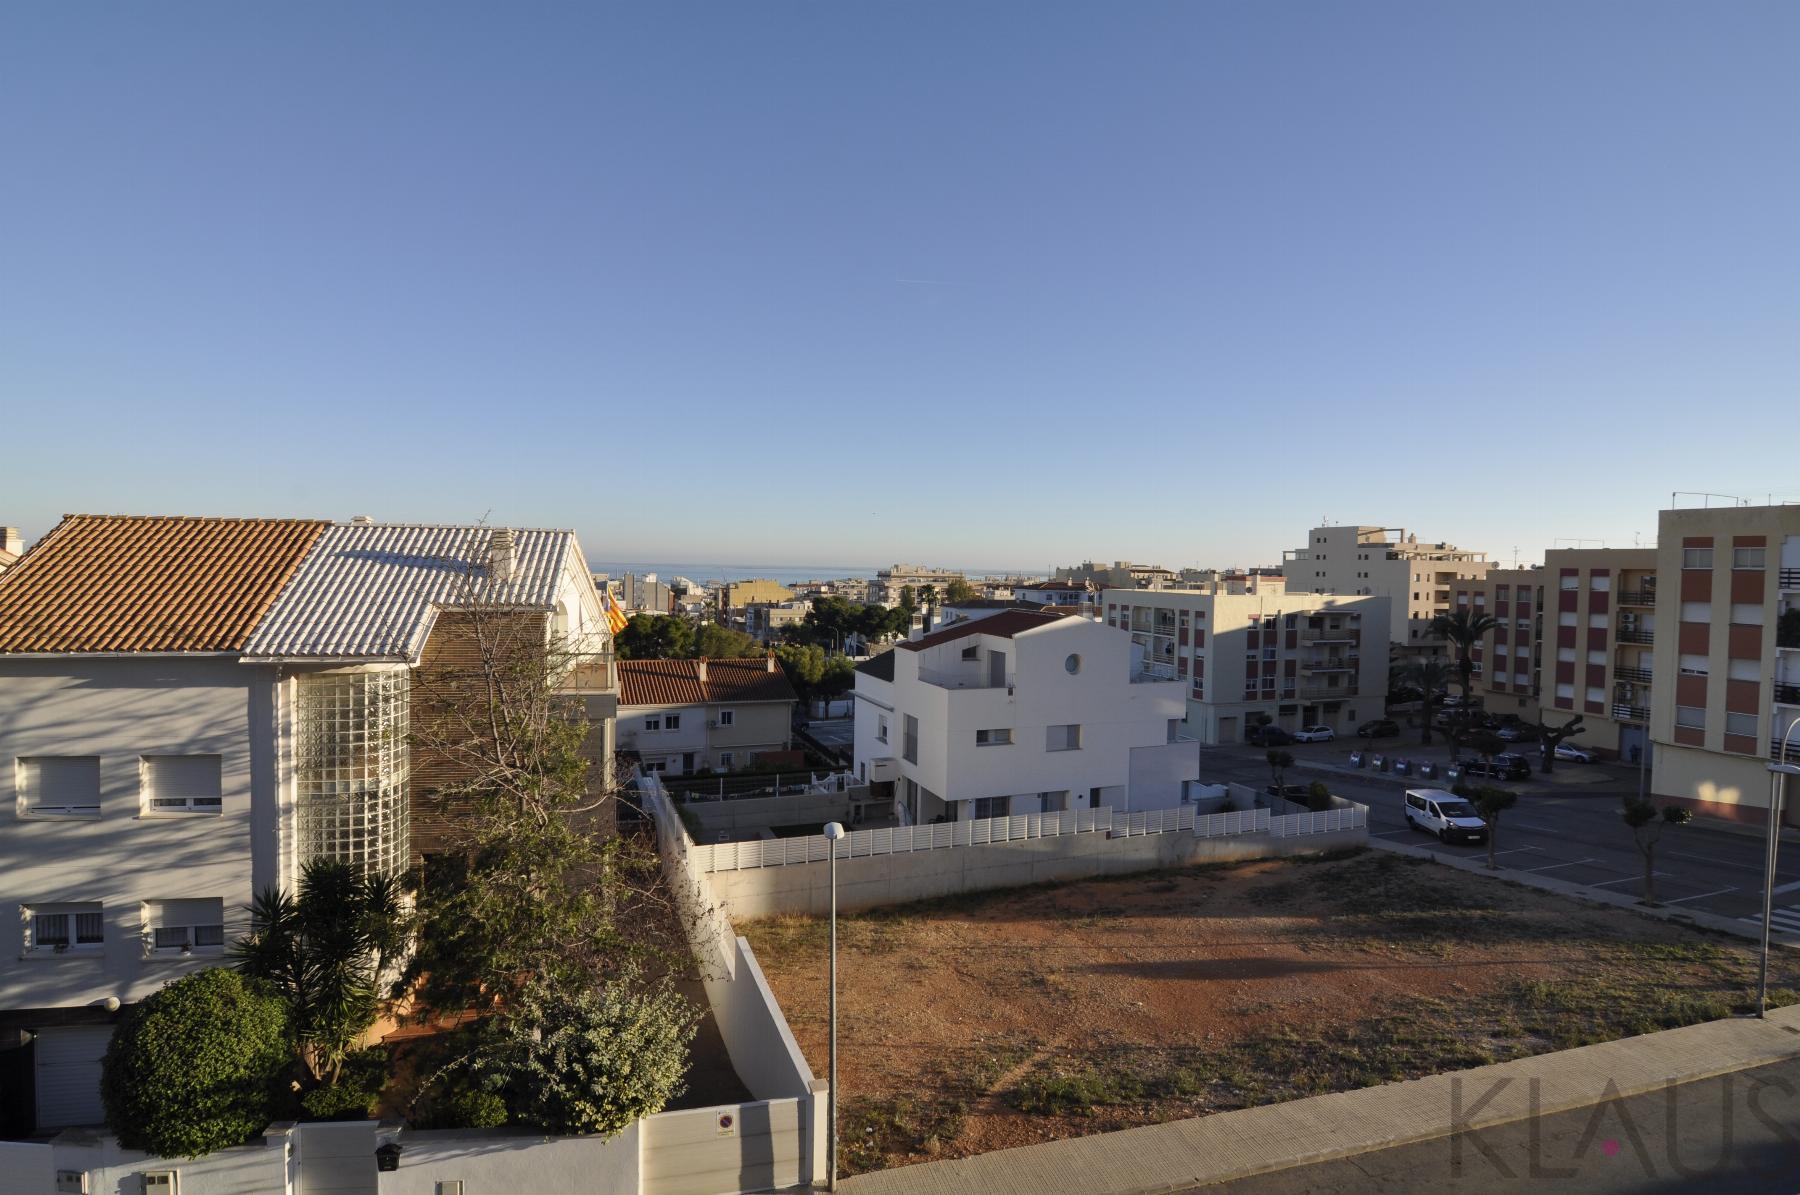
(1693, 918)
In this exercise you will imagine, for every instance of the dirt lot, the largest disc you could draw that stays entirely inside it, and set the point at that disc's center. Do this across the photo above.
(1007, 1018)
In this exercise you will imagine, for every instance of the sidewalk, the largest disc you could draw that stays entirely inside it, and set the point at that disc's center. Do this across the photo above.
(1231, 1145)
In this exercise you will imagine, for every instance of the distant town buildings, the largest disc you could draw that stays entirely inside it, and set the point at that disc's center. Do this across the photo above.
(735, 595)
(1419, 579)
(885, 589)
(12, 547)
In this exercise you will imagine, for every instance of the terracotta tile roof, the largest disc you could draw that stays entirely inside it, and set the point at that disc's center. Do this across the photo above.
(127, 583)
(1005, 624)
(677, 682)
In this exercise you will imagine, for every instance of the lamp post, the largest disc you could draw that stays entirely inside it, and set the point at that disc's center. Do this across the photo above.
(833, 832)
(1779, 770)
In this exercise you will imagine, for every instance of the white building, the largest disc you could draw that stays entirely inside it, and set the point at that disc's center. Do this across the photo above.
(1247, 646)
(191, 708)
(1418, 579)
(1021, 712)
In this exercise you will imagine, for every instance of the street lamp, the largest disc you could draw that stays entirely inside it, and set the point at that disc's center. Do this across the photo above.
(1779, 770)
(833, 832)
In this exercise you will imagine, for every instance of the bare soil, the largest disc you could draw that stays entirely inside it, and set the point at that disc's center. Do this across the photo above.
(1007, 1018)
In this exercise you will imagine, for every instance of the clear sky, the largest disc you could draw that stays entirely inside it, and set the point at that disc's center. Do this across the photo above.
(981, 283)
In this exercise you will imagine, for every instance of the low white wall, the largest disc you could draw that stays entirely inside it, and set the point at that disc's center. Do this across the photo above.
(721, 1151)
(876, 880)
(762, 1047)
(493, 1160)
(260, 1168)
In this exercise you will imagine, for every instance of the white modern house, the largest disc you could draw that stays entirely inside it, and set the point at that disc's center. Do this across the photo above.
(1021, 712)
(190, 708)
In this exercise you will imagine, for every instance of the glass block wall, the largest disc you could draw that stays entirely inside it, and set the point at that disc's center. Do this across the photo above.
(351, 762)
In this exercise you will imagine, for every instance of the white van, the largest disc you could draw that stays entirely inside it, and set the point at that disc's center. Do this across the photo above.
(1445, 814)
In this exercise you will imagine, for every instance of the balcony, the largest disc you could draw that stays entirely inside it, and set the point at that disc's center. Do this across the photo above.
(1638, 597)
(591, 672)
(1330, 664)
(1623, 712)
(1637, 676)
(1154, 672)
(1319, 635)
(1787, 694)
(1326, 693)
(1636, 635)
(1790, 579)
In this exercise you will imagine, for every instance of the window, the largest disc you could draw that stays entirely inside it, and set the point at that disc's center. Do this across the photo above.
(881, 728)
(1746, 558)
(1566, 618)
(1696, 612)
(653, 722)
(59, 786)
(1744, 724)
(180, 783)
(1565, 692)
(972, 652)
(993, 738)
(1521, 678)
(727, 759)
(909, 750)
(1596, 694)
(1692, 665)
(1600, 584)
(1072, 664)
(1597, 622)
(983, 807)
(1596, 657)
(671, 721)
(1750, 670)
(1691, 716)
(1063, 738)
(1696, 558)
(54, 929)
(162, 1182)
(1501, 649)
(727, 717)
(1747, 614)
(659, 766)
(1565, 655)
(184, 926)
(1571, 582)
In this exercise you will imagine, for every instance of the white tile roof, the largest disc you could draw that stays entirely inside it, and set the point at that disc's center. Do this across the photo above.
(371, 591)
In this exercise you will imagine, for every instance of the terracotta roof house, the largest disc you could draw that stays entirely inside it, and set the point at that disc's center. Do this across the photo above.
(685, 716)
(190, 708)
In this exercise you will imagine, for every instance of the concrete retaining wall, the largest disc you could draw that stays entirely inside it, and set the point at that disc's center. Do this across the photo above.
(866, 883)
(260, 1168)
(496, 1160)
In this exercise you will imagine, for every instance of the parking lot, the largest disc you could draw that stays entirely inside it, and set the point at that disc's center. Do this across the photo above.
(1565, 825)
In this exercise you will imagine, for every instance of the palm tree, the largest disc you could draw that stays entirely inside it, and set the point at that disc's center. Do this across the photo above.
(1463, 628)
(325, 952)
(928, 599)
(1429, 676)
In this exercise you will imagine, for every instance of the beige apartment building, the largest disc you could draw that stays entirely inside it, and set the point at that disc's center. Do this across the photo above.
(1727, 669)
(756, 591)
(885, 589)
(1419, 579)
(1248, 646)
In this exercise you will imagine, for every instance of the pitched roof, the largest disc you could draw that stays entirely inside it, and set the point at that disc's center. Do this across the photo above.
(677, 682)
(1005, 625)
(149, 583)
(371, 591)
(880, 667)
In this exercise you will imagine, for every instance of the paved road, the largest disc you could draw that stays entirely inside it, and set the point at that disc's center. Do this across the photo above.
(1738, 1133)
(1572, 833)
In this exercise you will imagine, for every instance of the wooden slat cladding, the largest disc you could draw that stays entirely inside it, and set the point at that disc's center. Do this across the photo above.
(450, 694)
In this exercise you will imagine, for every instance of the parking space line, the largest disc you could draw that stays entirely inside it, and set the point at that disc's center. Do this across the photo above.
(1702, 896)
(1571, 863)
(1519, 850)
(1627, 879)
(1391, 833)
(1795, 886)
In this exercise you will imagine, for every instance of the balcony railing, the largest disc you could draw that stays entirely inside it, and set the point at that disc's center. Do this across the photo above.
(1790, 578)
(1787, 694)
(1638, 597)
(1333, 664)
(1638, 676)
(591, 672)
(1323, 693)
(1152, 671)
(1636, 635)
(1319, 635)
(1622, 712)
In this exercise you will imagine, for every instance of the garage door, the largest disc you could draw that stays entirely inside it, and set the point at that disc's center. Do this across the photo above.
(67, 1061)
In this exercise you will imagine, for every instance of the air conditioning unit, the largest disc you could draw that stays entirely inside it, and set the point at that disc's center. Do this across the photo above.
(1628, 619)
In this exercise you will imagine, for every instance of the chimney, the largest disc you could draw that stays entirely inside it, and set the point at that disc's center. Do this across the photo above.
(500, 555)
(12, 541)
(769, 662)
(700, 668)
(362, 519)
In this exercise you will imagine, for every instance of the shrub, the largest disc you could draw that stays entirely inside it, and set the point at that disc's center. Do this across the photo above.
(353, 1096)
(590, 1062)
(197, 1066)
(1318, 797)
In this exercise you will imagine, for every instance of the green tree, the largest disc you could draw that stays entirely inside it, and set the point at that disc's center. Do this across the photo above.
(804, 664)
(655, 637)
(1551, 737)
(722, 643)
(928, 598)
(1429, 676)
(1647, 822)
(198, 1066)
(1318, 797)
(1490, 803)
(590, 1061)
(1463, 628)
(1279, 763)
(909, 602)
(959, 590)
(324, 952)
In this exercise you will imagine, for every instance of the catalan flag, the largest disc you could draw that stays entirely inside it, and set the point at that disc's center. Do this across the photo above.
(615, 617)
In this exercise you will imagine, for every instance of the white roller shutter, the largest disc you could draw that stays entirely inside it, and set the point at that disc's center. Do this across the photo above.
(68, 1075)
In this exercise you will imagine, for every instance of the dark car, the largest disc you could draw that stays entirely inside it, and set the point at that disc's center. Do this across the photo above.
(1267, 736)
(1518, 732)
(1292, 792)
(1379, 728)
(1508, 765)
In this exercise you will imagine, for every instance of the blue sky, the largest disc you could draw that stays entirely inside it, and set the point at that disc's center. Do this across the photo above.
(996, 284)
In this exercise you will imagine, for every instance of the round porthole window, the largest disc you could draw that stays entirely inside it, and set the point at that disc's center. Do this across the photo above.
(1073, 664)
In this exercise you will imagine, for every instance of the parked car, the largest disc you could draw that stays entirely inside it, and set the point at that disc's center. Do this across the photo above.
(1518, 732)
(1314, 734)
(1447, 815)
(1573, 754)
(1379, 728)
(1291, 792)
(1508, 765)
(1267, 736)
